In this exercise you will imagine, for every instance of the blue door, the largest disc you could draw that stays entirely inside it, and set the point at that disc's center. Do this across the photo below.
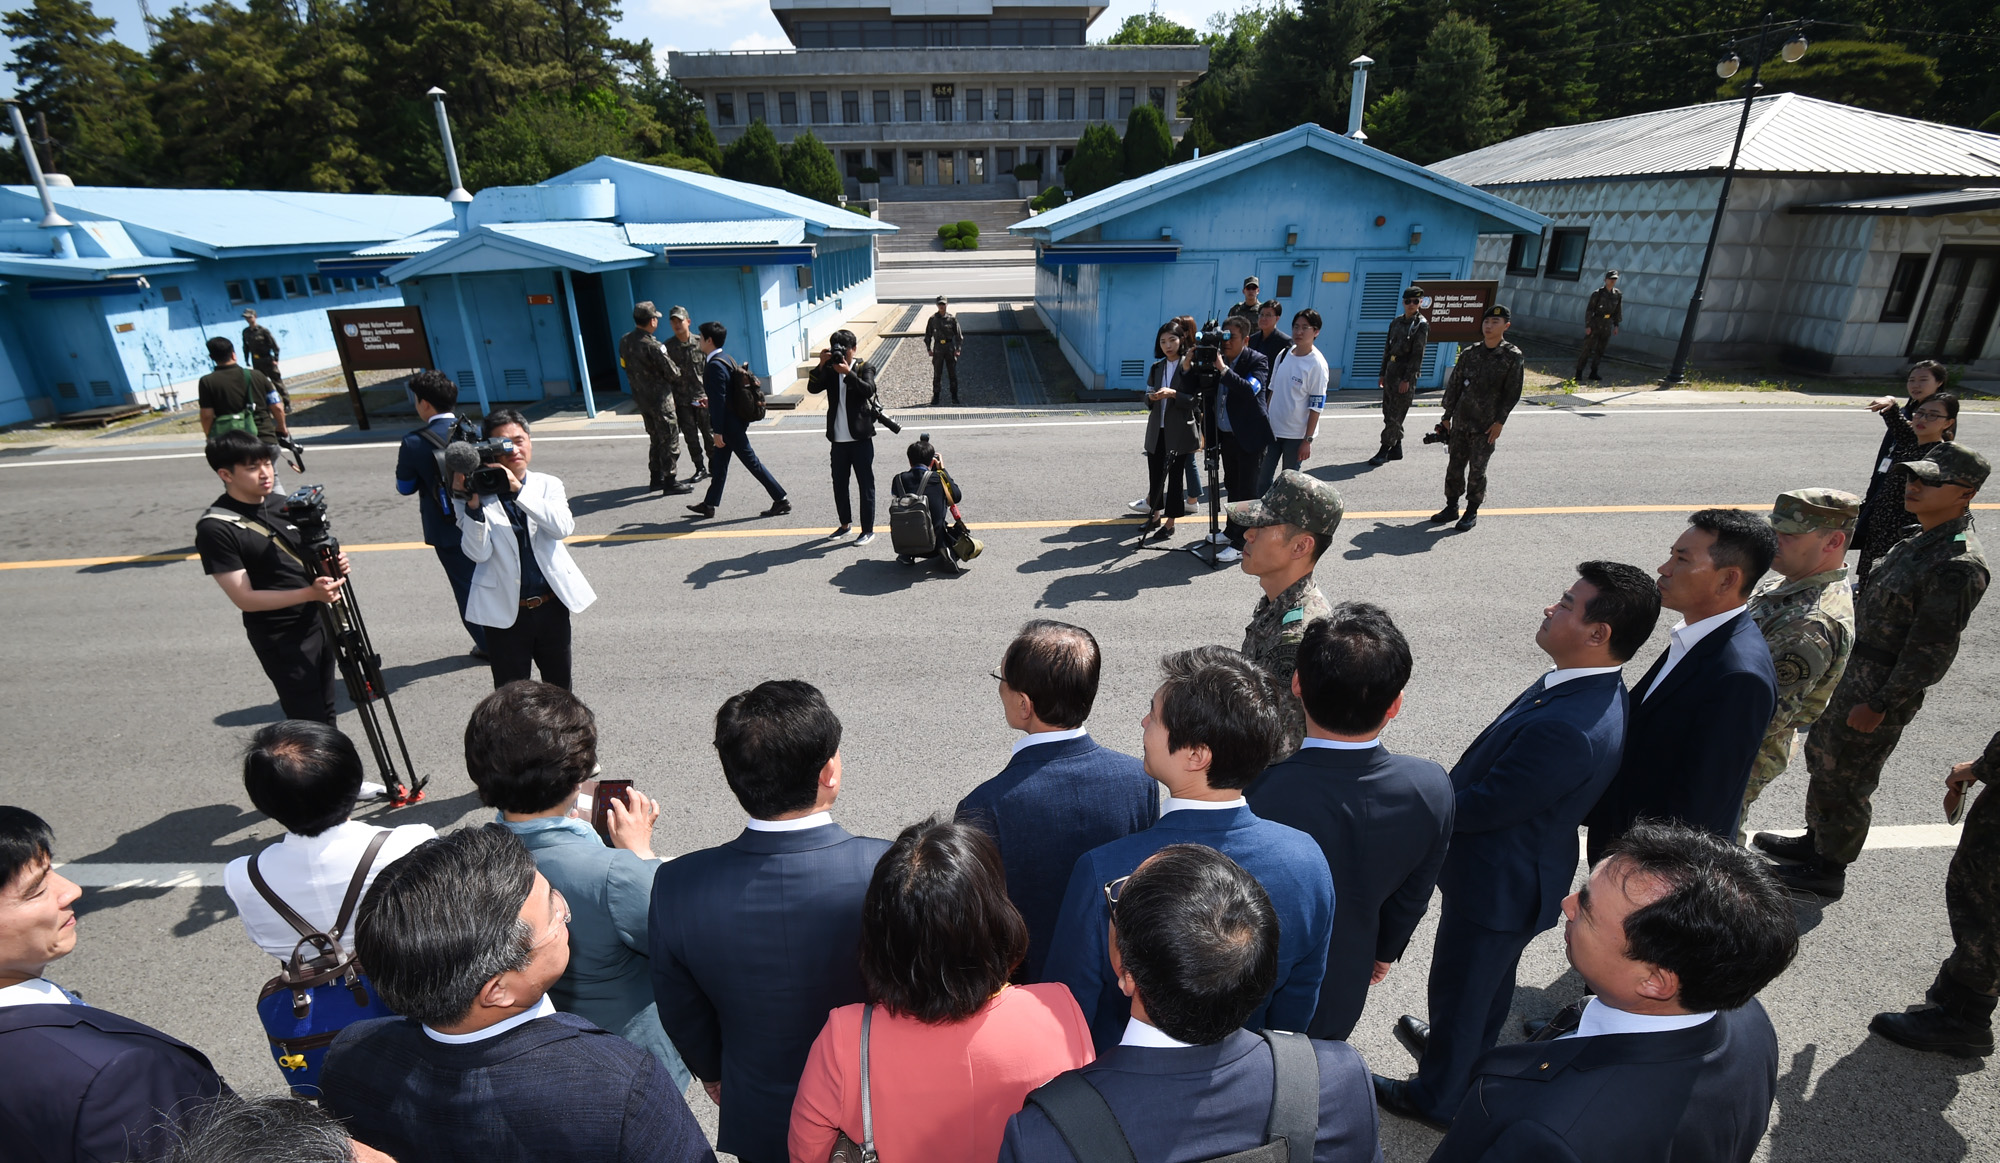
(1377, 298)
(78, 366)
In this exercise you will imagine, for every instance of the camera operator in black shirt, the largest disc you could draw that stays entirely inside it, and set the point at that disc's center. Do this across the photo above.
(259, 559)
(851, 412)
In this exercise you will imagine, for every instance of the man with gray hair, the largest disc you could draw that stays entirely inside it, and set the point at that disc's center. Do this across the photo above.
(654, 376)
(463, 937)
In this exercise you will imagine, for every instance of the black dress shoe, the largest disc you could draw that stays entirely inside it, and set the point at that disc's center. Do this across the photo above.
(1448, 513)
(779, 507)
(1822, 878)
(1393, 1095)
(702, 510)
(1793, 848)
(1415, 1035)
(675, 489)
(479, 652)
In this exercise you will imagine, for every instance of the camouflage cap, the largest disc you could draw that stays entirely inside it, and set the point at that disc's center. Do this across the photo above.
(1496, 311)
(1950, 464)
(644, 312)
(677, 312)
(1814, 511)
(1293, 499)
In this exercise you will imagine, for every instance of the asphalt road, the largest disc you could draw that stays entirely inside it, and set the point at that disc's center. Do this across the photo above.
(128, 690)
(970, 279)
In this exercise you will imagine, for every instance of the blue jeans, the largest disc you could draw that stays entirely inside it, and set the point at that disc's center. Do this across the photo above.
(1278, 451)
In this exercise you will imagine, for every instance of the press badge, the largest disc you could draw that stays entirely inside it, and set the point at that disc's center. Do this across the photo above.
(1316, 403)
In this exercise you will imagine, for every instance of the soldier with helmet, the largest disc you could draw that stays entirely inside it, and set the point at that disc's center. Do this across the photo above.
(653, 375)
(1286, 532)
(690, 394)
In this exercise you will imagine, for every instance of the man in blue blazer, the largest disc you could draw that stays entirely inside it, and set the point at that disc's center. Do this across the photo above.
(1522, 788)
(1062, 793)
(77, 1084)
(1242, 403)
(1382, 820)
(1197, 951)
(1700, 713)
(1672, 1059)
(732, 432)
(1214, 725)
(754, 941)
(418, 474)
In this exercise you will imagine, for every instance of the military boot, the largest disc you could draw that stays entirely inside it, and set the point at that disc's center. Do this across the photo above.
(1448, 513)
(1396, 451)
(1816, 875)
(1381, 457)
(1957, 1021)
(1793, 848)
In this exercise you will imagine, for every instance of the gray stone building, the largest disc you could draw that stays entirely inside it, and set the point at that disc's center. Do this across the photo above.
(942, 98)
(1854, 242)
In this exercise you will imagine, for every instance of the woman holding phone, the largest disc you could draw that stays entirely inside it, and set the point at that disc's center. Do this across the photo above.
(1171, 432)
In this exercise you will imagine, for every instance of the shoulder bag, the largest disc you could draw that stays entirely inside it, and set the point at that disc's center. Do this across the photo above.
(846, 1150)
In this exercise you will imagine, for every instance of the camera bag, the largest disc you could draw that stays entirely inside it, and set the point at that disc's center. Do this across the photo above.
(912, 533)
(321, 989)
(746, 395)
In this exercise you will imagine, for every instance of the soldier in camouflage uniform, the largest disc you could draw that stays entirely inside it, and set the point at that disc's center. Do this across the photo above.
(1601, 319)
(1959, 1017)
(1482, 389)
(653, 375)
(1286, 532)
(262, 348)
(1807, 616)
(1906, 634)
(944, 339)
(690, 394)
(1402, 360)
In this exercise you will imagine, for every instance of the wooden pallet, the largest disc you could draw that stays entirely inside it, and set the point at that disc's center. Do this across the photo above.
(101, 417)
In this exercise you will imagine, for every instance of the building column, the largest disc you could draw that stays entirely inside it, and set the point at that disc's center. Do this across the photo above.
(576, 341)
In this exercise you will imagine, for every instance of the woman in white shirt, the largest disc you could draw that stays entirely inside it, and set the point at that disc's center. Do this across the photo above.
(1171, 432)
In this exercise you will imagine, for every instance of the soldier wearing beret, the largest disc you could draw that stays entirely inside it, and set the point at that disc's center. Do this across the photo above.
(1601, 319)
(1907, 625)
(1482, 389)
(1402, 362)
(1286, 532)
(653, 374)
(690, 394)
(1807, 616)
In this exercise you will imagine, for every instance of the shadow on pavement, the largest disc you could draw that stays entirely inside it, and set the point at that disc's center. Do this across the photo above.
(1123, 580)
(436, 810)
(584, 504)
(206, 907)
(397, 677)
(873, 576)
(118, 566)
(1395, 540)
(1335, 473)
(1880, 1102)
(1084, 546)
(759, 561)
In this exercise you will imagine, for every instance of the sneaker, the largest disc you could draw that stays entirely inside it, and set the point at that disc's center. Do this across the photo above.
(1140, 506)
(1379, 459)
(843, 531)
(1229, 555)
(1218, 538)
(370, 790)
(864, 539)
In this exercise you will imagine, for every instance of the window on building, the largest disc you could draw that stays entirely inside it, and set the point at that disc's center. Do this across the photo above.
(975, 105)
(756, 104)
(315, 285)
(878, 34)
(1125, 102)
(339, 283)
(1037, 32)
(941, 104)
(819, 113)
(882, 108)
(913, 105)
(1524, 254)
(1063, 158)
(1566, 253)
(1003, 162)
(788, 108)
(885, 164)
(913, 167)
(850, 106)
(725, 108)
(854, 161)
(294, 286)
(268, 289)
(1039, 159)
(1096, 107)
(910, 34)
(237, 291)
(1284, 286)
(1065, 104)
(1157, 97)
(1904, 285)
(1066, 32)
(1003, 104)
(977, 160)
(1035, 105)
(170, 294)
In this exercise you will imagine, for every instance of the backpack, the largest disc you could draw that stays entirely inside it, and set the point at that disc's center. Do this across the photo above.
(244, 421)
(746, 395)
(461, 430)
(1091, 1131)
(912, 532)
(321, 990)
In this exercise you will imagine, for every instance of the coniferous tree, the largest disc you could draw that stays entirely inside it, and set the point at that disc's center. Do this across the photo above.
(754, 157)
(91, 89)
(1152, 28)
(1148, 145)
(810, 171)
(1454, 103)
(1874, 76)
(1098, 162)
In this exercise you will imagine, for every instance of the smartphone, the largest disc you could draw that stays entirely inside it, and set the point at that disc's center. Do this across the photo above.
(600, 804)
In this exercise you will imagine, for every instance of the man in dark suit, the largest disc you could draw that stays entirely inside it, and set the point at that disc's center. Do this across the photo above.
(463, 937)
(1062, 793)
(77, 1084)
(755, 941)
(1215, 724)
(1699, 715)
(418, 475)
(1241, 407)
(1673, 1058)
(1197, 951)
(1522, 788)
(1382, 820)
(732, 432)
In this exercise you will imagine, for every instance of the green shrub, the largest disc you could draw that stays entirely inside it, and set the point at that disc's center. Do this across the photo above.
(1028, 172)
(953, 244)
(968, 229)
(866, 175)
(968, 243)
(948, 231)
(1048, 199)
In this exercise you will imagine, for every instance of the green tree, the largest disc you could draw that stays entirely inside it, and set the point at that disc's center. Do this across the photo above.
(1453, 104)
(1196, 140)
(1152, 28)
(1098, 161)
(810, 171)
(541, 137)
(1148, 143)
(91, 89)
(1218, 102)
(1546, 49)
(1301, 63)
(1882, 77)
(754, 157)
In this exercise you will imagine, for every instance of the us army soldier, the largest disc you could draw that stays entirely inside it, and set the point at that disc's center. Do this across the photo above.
(1402, 361)
(1286, 532)
(1807, 615)
(1601, 319)
(1907, 626)
(653, 375)
(1482, 389)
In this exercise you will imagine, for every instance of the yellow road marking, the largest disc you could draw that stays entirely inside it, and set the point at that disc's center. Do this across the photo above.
(820, 531)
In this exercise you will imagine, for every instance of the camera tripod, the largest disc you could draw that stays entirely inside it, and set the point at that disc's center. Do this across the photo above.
(1209, 548)
(361, 669)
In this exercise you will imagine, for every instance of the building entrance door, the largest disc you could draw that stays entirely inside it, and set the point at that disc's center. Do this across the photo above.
(1959, 309)
(913, 167)
(947, 168)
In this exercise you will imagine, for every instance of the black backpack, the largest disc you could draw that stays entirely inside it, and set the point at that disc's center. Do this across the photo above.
(746, 395)
(1087, 1126)
(912, 532)
(461, 430)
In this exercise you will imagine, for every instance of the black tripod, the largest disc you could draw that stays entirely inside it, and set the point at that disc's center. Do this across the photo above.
(1209, 548)
(361, 669)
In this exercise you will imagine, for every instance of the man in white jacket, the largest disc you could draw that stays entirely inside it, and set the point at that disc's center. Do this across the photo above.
(524, 585)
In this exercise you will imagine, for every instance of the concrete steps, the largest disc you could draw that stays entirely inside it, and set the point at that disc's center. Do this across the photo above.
(920, 221)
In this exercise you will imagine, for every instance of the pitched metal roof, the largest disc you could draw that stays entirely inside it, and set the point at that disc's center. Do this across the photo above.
(1930, 205)
(713, 192)
(85, 269)
(209, 223)
(577, 246)
(1497, 215)
(419, 243)
(1787, 134)
(732, 232)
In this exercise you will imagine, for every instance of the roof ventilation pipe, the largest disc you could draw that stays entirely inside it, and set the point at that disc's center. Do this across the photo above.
(459, 199)
(1359, 97)
(51, 220)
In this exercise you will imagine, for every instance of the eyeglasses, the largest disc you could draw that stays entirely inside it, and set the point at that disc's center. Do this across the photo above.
(561, 909)
(998, 676)
(1114, 890)
(1928, 414)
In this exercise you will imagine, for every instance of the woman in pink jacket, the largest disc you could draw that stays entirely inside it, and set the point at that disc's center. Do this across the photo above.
(953, 1049)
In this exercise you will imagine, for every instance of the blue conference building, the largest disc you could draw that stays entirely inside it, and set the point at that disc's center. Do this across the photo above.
(1323, 221)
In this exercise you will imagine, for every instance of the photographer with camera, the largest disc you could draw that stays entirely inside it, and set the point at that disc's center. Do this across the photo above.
(1481, 390)
(524, 585)
(420, 473)
(259, 558)
(851, 413)
(1240, 402)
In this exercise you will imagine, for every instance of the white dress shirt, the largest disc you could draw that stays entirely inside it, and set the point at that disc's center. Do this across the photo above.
(36, 991)
(1600, 1018)
(1041, 737)
(1685, 638)
(1563, 674)
(1138, 1033)
(310, 873)
(1341, 744)
(815, 820)
(1176, 805)
(541, 1009)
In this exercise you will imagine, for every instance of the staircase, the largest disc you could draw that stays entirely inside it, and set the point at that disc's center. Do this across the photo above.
(920, 221)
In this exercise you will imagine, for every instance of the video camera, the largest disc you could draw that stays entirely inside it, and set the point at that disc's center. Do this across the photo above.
(306, 508)
(479, 461)
(1208, 341)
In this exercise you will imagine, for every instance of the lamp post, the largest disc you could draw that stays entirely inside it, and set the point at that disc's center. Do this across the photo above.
(1727, 68)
